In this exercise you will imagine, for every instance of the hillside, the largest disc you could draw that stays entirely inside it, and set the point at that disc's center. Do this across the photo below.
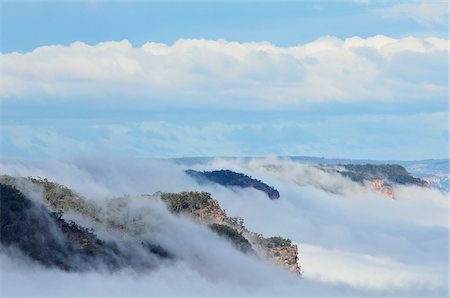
(45, 237)
(41, 232)
(434, 171)
(207, 210)
(391, 173)
(230, 178)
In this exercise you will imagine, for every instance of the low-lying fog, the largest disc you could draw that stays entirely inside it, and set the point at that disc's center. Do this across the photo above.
(352, 240)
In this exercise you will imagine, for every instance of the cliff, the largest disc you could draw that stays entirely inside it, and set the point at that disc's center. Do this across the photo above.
(230, 178)
(382, 187)
(379, 177)
(207, 210)
(390, 173)
(286, 256)
(80, 248)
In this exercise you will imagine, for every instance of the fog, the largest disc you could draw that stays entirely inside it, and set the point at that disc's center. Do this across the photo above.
(352, 240)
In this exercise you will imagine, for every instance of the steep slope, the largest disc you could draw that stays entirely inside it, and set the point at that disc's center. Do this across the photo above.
(230, 178)
(389, 172)
(48, 239)
(93, 253)
(380, 177)
(207, 210)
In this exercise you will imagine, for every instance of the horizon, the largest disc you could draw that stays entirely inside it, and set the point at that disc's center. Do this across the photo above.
(204, 149)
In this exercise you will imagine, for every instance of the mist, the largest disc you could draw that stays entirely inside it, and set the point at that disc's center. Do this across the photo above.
(352, 240)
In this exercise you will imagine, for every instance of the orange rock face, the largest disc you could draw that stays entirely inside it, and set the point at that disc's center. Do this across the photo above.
(380, 186)
(212, 213)
(286, 256)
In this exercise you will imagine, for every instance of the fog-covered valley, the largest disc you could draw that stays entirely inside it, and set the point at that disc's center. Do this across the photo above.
(352, 240)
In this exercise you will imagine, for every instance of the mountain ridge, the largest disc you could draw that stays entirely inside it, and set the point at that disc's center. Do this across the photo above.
(227, 177)
(198, 205)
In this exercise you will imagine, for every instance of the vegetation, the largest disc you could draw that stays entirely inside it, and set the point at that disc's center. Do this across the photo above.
(236, 238)
(230, 178)
(390, 172)
(47, 238)
(28, 226)
(63, 199)
(271, 242)
(186, 201)
(237, 222)
(233, 227)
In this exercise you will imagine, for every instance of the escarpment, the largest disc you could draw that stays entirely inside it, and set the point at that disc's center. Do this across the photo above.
(207, 210)
(82, 244)
(286, 256)
(381, 178)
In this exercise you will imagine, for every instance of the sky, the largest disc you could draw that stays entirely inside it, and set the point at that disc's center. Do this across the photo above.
(349, 79)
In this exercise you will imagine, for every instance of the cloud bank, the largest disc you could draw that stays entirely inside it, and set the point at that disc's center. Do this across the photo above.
(352, 242)
(216, 73)
(425, 13)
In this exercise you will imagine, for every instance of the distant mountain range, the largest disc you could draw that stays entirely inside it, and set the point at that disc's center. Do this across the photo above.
(436, 172)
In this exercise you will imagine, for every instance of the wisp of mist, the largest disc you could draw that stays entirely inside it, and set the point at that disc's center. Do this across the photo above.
(352, 241)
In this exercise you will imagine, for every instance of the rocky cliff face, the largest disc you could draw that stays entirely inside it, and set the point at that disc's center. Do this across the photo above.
(379, 177)
(198, 204)
(286, 256)
(81, 244)
(205, 209)
(382, 187)
(390, 173)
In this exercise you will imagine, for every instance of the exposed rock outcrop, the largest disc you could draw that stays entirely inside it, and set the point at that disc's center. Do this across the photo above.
(199, 204)
(390, 173)
(382, 187)
(287, 256)
(380, 177)
(85, 246)
(207, 210)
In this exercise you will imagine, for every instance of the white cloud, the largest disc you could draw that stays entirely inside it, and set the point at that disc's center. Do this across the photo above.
(222, 73)
(382, 136)
(364, 270)
(354, 243)
(424, 13)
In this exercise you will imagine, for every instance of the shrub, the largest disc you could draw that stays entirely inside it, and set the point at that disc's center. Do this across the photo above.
(186, 201)
(233, 235)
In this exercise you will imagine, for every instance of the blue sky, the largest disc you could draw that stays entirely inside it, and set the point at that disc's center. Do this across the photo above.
(353, 79)
(29, 25)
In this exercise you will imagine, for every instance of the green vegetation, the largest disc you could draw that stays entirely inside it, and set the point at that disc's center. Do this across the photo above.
(59, 198)
(237, 222)
(272, 242)
(62, 199)
(186, 201)
(233, 227)
(47, 238)
(390, 172)
(233, 235)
